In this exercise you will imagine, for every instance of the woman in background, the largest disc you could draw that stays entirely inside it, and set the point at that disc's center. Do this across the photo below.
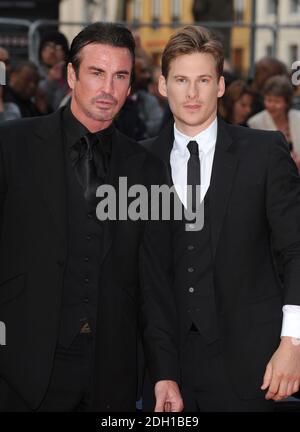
(236, 104)
(278, 115)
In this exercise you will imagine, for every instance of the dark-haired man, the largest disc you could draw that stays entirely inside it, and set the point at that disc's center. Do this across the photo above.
(69, 283)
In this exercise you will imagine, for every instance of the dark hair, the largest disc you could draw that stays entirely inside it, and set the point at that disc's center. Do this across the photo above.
(280, 85)
(25, 64)
(191, 39)
(58, 38)
(112, 34)
(233, 93)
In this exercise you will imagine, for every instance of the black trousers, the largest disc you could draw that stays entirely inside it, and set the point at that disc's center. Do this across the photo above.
(70, 386)
(206, 386)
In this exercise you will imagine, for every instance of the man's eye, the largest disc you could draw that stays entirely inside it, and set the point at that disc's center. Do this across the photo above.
(121, 76)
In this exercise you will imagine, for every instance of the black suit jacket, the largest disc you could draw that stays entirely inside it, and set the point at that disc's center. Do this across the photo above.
(32, 259)
(255, 215)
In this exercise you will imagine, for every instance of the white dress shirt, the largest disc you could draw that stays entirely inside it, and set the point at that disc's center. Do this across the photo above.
(179, 158)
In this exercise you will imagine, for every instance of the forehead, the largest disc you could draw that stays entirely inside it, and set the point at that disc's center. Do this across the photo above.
(28, 73)
(193, 64)
(275, 97)
(96, 54)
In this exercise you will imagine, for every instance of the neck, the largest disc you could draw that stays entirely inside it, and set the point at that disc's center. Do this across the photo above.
(280, 118)
(91, 124)
(193, 130)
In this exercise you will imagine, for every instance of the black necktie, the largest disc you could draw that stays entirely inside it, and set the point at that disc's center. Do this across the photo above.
(193, 174)
(90, 161)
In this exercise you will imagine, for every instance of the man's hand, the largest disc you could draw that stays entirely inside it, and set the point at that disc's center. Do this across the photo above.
(168, 397)
(282, 376)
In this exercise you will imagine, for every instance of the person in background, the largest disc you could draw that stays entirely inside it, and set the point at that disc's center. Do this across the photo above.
(278, 115)
(236, 105)
(265, 68)
(153, 87)
(53, 55)
(148, 106)
(8, 110)
(24, 92)
(5, 58)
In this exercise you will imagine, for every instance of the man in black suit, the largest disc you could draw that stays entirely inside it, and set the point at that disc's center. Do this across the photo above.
(238, 352)
(70, 292)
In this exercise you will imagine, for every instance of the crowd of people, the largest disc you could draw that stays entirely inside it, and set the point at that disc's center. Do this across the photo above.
(269, 101)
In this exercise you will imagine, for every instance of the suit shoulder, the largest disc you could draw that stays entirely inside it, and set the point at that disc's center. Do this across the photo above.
(248, 133)
(20, 125)
(147, 143)
(139, 147)
(13, 129)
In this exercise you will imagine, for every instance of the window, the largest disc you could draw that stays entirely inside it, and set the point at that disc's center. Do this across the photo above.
(239, 8)
(294, 6)
(137, 10)
(271, 7)
(293, 53)
(155, 10)
(269, 51)
(176, 10)
(238, 59)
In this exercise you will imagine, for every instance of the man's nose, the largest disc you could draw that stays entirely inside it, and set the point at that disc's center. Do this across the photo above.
(108, 85)
(192, 90)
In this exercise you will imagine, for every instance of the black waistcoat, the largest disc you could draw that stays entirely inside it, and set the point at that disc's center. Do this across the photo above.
(84, 241)
(194, 277)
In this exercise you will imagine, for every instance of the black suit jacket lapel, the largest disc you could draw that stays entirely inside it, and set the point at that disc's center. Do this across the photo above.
(48, 166)
(223, 173)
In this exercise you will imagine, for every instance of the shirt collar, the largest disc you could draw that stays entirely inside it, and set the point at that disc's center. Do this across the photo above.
(206, 139)
(75, 130)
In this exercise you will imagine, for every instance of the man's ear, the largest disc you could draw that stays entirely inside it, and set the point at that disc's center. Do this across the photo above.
(162, 86)
(71, 76)
(221, 86)
(129, 90)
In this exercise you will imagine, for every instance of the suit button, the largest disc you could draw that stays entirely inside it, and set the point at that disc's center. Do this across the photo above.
(60, 262)
(86, 280)
(191, 290)
(88, 237)
(86, 259)
(86, 300)
(190, 269)
(191, 247)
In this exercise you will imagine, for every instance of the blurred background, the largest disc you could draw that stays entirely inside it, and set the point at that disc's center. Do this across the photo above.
(261, 40)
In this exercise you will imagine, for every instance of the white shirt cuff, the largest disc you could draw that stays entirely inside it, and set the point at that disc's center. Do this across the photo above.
(291, 321)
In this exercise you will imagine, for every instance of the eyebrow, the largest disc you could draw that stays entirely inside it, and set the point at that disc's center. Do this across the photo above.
(94, 68)
(199, 76)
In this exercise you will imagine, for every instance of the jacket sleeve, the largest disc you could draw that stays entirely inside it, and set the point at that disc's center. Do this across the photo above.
(283, 212)
(158, 314)
(3, 187)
